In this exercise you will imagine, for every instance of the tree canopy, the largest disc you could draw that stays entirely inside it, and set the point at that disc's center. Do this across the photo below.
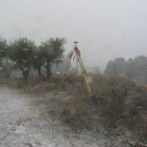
(3, 49)
(21, 51)
(50, 52)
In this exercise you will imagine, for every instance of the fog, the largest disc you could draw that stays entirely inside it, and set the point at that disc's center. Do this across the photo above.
(105, 29)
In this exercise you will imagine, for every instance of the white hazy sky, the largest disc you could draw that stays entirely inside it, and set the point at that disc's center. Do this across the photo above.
(105, 29)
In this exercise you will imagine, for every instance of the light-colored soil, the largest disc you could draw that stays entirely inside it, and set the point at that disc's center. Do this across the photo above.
(21, 125)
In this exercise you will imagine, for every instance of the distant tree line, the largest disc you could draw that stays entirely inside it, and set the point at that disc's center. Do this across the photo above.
(134, 69)
(25, 55)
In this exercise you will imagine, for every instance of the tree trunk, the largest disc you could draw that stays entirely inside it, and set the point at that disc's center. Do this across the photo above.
(48, 68)
(48, 71)
(39, 71)
(25, 72)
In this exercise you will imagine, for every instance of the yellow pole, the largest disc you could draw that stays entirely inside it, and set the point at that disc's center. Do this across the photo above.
(84, 73)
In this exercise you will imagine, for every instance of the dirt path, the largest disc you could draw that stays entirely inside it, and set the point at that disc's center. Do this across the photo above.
(21, 125)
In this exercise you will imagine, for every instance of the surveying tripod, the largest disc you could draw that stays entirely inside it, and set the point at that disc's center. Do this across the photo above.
(80, 62)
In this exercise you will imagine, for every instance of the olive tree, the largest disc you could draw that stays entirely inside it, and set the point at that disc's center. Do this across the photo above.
(38, 61)
(21, 51)
(50, 52)
(5, 63)
(3, 49)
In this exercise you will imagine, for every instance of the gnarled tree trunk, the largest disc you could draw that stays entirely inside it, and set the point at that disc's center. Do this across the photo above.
(25, 72)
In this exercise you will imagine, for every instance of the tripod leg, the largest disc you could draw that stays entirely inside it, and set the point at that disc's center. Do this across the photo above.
(66, 70)
(84, 73)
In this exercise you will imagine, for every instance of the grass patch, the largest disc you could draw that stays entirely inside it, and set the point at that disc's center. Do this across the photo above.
(107, 107)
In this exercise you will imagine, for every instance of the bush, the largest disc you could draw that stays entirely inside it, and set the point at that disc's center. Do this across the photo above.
(110, 94)
(108, 101)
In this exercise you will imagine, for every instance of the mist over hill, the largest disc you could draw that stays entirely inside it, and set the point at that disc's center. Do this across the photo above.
(134, 69)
